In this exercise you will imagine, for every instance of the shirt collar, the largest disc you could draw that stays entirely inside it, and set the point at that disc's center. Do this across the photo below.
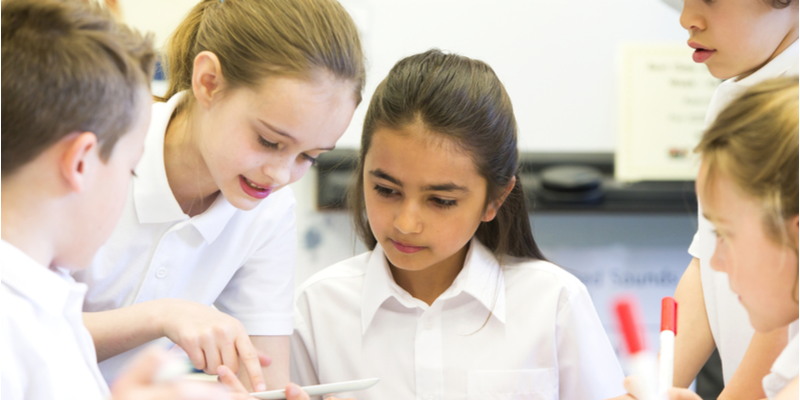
(482, 278)
(52, 289)
(785, 63)
(152, 196)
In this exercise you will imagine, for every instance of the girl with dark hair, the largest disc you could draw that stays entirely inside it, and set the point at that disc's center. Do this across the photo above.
(454, 298)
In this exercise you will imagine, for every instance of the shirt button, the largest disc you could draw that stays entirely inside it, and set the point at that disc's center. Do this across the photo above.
(429, 325)
(161, 273)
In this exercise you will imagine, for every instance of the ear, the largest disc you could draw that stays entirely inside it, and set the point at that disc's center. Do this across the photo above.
(494, 206)
(82, 153)
(207, 78)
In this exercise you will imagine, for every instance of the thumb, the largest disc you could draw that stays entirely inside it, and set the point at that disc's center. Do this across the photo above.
(293, 392)
(682, 394)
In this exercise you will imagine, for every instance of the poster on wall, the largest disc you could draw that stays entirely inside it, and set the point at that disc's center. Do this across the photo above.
(663, 97)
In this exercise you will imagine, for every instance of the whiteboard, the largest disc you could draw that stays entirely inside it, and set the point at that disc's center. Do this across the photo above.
(556, 58)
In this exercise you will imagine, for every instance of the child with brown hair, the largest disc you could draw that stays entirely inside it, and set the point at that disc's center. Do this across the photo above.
(748, 187)
(744, 42)
(454, 299)
(258, 89)
(75, 109)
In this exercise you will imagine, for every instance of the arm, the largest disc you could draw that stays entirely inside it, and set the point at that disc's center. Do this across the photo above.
(764, 348)
(790, 392)
(693, 343)
(209, 337)
(276, 375)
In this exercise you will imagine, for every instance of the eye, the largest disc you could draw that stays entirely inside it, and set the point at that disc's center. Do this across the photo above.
(442, 203)
(267, 144)
(310, 159)
(134, 173)
(385, 192)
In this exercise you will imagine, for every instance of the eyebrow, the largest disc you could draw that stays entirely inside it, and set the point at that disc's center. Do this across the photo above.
(441, 187)
(288, 136)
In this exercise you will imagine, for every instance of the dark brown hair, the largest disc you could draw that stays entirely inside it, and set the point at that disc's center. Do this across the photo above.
(67, 66)
(254, 39)
(462, 100)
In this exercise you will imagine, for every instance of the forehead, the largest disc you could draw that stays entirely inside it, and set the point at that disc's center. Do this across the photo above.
(417, 156)
(322, 105)
(720, 198)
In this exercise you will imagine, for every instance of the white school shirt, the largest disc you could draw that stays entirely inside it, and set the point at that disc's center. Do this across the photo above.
(47, 353)
(240, 261)
(730, 324)
(783, 371)
(543, 339)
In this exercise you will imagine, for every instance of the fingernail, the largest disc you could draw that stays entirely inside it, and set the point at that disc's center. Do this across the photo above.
(261, 387)
(220, 371)
(293, 390)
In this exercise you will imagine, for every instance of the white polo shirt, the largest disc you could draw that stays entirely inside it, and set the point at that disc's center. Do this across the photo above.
(240, 261)
(543, 339)
(783, 371)
(47, 353)
(730, 324)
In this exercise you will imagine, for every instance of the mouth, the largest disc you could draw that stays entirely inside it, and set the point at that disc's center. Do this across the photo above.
(406, 248)
(701, 53)
(254, 190)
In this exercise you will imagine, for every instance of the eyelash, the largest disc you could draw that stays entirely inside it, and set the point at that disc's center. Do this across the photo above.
(441, 203)
(133, 173)
(274, 146)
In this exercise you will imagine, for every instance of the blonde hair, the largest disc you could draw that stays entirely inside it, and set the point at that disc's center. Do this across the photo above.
(754, 142)
(254, 39)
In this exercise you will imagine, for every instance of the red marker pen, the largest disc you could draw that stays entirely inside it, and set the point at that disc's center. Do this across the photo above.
(641, 362)
(666, 357)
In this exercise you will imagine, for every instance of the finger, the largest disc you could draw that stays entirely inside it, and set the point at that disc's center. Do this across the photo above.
(211, 354)
(682, 394)
(229, 357)
(632, 386)
(141, 370)
(196, 356)
(265, 361)
(229, 379)
(293, 392)
(252, 364)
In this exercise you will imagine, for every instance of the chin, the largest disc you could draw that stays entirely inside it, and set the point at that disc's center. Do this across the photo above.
(405, 262)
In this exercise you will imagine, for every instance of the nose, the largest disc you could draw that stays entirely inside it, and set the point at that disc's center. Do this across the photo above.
(691, 18)
(408, 220)
(280, 170)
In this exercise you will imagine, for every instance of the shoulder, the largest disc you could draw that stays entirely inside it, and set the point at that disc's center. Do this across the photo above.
(350, 270)
(526, 274)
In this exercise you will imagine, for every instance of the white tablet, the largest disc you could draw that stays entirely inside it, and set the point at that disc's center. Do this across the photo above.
(317, 390)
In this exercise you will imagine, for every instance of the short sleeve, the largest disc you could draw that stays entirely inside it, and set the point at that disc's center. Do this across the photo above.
(303, 349)
(587, 365)
(261, 292)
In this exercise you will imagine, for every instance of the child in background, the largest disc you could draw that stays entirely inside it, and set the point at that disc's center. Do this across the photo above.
(75, 109)
(258, 89)
(744, 42)
(748, 187)
(454, 300)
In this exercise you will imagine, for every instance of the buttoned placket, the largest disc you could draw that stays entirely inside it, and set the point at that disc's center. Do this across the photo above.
(157, 285)
(428, 353)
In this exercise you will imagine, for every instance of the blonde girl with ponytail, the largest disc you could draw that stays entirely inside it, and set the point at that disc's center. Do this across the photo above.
(258, 89)
(748, 189)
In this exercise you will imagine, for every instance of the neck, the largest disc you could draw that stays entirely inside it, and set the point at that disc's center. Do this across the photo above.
(428, 284)
(27, 223)
(187, 172)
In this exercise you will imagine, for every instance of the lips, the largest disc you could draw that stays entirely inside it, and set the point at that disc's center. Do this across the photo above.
(254, 190)
(406, 248)
(701, 53)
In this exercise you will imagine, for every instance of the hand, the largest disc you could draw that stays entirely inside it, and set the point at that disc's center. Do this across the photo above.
(211, 339)
(293, 392)
(632, 388)
(136, 383)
